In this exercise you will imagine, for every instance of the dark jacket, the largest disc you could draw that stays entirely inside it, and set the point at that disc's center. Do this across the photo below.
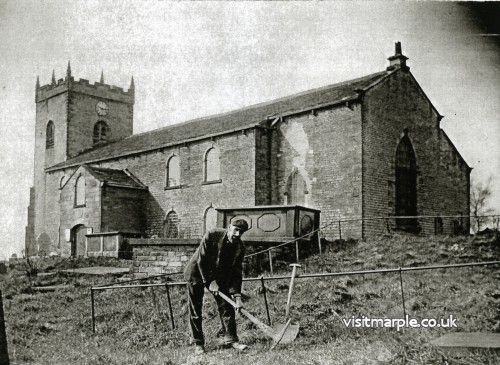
(217, 259)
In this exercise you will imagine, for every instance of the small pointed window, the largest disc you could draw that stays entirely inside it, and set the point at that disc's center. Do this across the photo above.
(101, 132)
(49, 135)
(210, 219)
(171, 225)
(212, 165)
(173, 177)
(80, 191)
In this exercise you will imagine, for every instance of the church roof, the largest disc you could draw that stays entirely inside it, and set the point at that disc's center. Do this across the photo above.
(239, 119)
(111, 177)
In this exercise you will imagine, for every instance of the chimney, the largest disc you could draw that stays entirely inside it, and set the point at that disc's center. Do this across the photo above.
(398, 60)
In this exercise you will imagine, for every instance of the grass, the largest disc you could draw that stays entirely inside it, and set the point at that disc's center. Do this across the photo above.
(55, 327)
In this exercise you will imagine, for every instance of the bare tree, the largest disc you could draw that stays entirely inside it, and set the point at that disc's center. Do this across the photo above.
(479, 195)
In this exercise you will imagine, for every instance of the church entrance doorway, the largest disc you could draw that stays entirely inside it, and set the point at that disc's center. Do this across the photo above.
(406, 186)
(78, 240)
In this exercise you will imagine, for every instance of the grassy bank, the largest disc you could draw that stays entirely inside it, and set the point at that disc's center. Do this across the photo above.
(55, 327)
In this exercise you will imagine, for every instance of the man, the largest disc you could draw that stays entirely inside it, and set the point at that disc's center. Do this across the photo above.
(216, 265)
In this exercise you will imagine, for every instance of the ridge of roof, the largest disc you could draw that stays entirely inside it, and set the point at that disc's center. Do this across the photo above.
(115, 177)
(227, 122)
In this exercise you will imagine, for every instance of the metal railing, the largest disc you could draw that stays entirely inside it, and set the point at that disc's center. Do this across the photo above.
(318, 232)
(263, 279)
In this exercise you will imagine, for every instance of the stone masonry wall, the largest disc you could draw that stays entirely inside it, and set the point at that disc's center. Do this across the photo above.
(160, 256)
(325, 148)
(88, 215)
(263, 170)
(123, 209)
(70, 105)
(395, 105)
(191, 199)
(45, 196)
(83, 116)
(454, 187)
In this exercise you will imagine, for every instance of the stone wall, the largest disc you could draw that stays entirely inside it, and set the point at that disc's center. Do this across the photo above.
(45, 197)
(122, 209)
(83, 117)
(71, 106)
(161, 256)
(454, 187)
(394, 107)
(88, 215)
(193, 196)
(324, 146)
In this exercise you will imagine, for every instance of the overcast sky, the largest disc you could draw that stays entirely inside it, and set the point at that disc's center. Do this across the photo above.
(195, 59)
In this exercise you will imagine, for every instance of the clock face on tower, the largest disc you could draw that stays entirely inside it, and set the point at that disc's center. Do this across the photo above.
(101, 108)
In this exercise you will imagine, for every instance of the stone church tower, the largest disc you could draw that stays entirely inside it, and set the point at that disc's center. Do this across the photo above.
(71, 117)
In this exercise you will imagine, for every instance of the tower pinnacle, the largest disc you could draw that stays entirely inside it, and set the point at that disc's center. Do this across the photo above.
(132, 85)
(102, 77)
(53, 77)
(68, 70)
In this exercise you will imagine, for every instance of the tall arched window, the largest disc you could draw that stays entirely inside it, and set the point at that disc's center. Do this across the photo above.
(171, 225)
(173, 173)
(49, 135)
(80, 191)
(209, 219)
(101, 132)
(212, 165)
(296, 189)
(406, 185)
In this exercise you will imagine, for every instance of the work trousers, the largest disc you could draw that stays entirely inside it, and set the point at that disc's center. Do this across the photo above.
(226, 312)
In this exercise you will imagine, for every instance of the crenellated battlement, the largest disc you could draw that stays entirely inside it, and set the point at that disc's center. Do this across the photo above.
(97, 89)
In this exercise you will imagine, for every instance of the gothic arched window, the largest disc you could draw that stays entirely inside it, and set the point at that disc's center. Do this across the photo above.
(171, 225)
(173, 172)
(80, 191)
(211, 165)
(49, 135)
(296, 189)
(209, 219)
(101, 132)
(406, 185)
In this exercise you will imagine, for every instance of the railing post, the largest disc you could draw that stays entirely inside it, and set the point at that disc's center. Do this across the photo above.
(155, 302)
(270, 254)
(340, 231)
(264, 292)
(4, 353)
(318, 235)
(169, 301)
(92, 309)
(402, 291)
(297, 251)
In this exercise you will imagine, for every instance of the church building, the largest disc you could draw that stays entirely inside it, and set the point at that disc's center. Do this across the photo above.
(366, 149)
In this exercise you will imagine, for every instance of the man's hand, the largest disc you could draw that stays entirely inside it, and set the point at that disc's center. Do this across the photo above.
(239, 303)
(214, 288)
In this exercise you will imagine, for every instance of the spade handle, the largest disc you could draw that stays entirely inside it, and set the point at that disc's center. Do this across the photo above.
(268, 331)
(290, 289)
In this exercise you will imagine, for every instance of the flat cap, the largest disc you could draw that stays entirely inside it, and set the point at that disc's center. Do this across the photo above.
(241, 224)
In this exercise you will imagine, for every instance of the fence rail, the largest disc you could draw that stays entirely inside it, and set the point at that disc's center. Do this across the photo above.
(263, 279)
(317, 234)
